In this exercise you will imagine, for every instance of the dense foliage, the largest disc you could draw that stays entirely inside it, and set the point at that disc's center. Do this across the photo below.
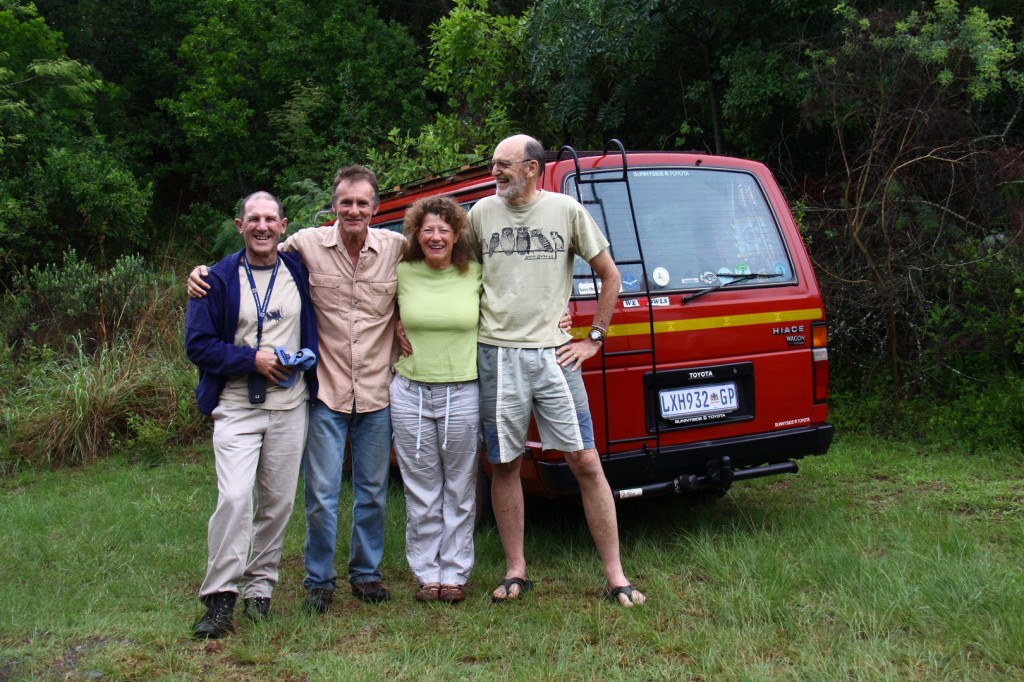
(133, 127)
(918, 226)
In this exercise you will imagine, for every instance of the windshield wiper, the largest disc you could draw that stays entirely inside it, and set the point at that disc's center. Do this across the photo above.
(736, 279)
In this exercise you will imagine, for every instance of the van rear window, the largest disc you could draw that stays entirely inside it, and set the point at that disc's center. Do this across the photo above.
(697, 226)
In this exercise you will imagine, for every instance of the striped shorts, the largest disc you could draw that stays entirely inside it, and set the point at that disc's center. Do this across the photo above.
(515, 382)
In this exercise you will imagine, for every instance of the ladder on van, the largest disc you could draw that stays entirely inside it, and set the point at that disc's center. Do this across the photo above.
(604, 177)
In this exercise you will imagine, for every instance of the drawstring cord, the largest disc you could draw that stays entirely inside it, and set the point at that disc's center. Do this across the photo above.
(447, 404)
(419, 422)
(419, 416)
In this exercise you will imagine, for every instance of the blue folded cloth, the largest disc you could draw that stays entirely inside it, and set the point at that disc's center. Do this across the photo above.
(300, 362)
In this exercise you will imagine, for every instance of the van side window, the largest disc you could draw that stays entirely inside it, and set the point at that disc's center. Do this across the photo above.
(695, 225)
(393, 225)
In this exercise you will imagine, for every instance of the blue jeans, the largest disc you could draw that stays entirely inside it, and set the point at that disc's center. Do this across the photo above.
(321, 470)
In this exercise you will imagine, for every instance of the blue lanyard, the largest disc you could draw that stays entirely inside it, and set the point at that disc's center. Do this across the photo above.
(261, 309)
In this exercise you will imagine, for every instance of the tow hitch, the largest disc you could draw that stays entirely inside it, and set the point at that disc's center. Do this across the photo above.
(719, 474)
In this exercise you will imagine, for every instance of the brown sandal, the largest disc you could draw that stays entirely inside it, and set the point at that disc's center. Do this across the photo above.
(451, 594)
(428, 592)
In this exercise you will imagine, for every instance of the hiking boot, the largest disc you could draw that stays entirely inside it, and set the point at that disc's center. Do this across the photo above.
(257, 608)
(318, 600)
(217, 621)
(371, 592)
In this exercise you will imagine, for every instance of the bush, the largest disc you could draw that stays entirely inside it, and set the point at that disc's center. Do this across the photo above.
(54, 304)
(96, 365)
(967, 414)
(984, 419)
(75, 408)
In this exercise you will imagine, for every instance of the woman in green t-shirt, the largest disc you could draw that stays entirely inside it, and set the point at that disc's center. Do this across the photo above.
(435, 401)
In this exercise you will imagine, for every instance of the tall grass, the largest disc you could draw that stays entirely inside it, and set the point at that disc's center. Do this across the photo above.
(878, 561)
(95, 364)
(76, 407)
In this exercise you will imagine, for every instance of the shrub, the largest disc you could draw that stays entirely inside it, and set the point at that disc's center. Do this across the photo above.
(983, 419)
(76, 408)
(96, 364)
(56, 303)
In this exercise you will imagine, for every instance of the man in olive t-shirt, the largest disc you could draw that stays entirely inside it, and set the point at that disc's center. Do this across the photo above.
(526, 239)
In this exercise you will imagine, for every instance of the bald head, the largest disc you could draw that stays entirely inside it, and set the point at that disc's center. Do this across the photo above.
(260, 195)
(522, 147)
(518, 166)
(514, 143)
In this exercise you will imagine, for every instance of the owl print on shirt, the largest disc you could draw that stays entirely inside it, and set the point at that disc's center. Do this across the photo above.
(529, 242)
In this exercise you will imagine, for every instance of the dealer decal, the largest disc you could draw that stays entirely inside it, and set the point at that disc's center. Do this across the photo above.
(793, 422)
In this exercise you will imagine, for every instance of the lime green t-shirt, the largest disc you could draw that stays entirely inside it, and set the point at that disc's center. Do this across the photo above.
(440, 311)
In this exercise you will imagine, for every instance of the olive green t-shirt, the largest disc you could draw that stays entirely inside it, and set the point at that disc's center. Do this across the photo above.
(527, 257)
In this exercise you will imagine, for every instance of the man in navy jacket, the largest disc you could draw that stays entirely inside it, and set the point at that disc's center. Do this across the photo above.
(259, 408)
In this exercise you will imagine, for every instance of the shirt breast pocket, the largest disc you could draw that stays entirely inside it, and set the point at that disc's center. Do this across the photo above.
(325, 291)
(381, 296)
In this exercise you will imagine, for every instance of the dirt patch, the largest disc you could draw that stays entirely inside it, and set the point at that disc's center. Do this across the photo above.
(10, 670)
(67, 663)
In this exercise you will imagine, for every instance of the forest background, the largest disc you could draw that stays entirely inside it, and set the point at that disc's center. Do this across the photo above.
(129, 129)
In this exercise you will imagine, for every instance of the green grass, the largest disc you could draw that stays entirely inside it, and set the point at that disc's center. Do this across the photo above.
(876, 562)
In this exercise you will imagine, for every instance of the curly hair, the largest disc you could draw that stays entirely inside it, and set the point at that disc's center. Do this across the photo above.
(448, 210)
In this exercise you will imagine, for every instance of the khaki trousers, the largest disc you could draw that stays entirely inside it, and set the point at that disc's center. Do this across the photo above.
(258, 454)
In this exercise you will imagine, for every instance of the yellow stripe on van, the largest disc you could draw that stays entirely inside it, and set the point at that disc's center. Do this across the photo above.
(697, 323)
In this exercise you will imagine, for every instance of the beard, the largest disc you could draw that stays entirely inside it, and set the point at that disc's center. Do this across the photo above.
(513, 188)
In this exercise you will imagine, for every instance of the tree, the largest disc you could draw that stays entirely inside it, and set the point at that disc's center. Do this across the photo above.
(719, 76)
(920, 253)
(281, 91)
(61, 183)
(132, 45)
(474, 59)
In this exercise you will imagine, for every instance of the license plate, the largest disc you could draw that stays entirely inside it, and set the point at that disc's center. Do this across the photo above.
(685, 402)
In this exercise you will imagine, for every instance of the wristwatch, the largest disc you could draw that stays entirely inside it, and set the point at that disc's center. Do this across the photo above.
(596, 335)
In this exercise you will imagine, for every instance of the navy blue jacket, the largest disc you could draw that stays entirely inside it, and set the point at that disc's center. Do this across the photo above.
(211, 322)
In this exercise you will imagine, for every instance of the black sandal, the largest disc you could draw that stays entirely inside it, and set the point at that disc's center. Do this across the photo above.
(523, 584)
(612, 595)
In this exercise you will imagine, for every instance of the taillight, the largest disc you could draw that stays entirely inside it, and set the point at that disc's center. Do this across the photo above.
(819, 356)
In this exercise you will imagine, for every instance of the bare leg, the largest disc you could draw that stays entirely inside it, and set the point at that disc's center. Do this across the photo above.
(507, 501)
(599, 508)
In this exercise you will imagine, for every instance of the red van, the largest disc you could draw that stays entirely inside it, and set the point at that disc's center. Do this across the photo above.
(715, 367)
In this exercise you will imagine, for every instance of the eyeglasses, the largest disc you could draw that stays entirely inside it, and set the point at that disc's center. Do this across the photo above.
(504, 165)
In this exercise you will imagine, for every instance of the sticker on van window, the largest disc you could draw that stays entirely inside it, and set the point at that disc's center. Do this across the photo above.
(742, 269)
(586, 288)
(630, 282)
(708, 277)
(659, 173)
(661, 277)
(780, 269)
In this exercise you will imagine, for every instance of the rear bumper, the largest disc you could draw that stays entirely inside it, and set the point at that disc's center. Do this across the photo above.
(708, 464)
